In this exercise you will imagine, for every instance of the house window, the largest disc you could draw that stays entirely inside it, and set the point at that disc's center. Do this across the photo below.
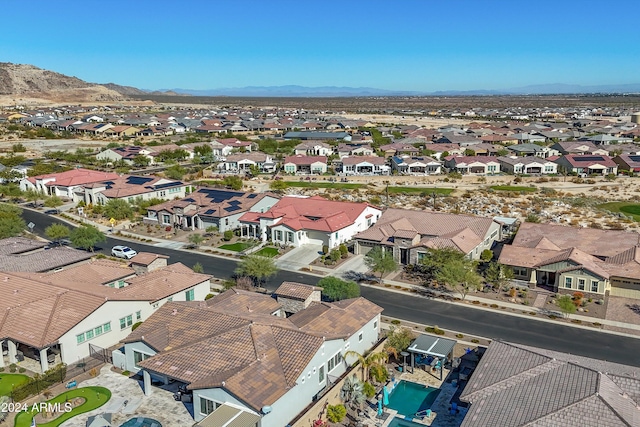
(375, 324)
(156, 305)
(106, 327)
(207, 406)
(567, 282)
(189, 295)
(98, 331)
(581, 283)
(166, 219)
(89, 334)
(360, 337)
(333, 362)
(139, 357)
(289, 236)
(321, 375)
(336, 236)
(594, 285)
(138, 315)
(279, 235)
(125, 322)
(169, 299)
(80, 338)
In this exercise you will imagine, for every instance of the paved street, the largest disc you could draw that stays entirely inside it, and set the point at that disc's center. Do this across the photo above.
(455, 317)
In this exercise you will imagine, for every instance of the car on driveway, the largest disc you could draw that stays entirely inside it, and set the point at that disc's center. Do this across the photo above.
(123, 252)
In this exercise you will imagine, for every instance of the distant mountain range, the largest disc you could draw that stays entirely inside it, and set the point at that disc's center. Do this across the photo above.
(22, 80)
(342, 91)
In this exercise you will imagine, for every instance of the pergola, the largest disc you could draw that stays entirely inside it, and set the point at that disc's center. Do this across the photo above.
(441, 349)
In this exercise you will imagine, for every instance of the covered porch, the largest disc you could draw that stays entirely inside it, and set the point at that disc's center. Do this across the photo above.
(431, 352)
(229, 416)
(29, 357)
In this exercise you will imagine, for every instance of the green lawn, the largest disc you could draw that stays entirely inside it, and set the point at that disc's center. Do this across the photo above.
(95, 398)
(268, 252)
(9, 381)
(629, 209)
(420, 190)
(236, 247)
(310, 184)
(513, 188)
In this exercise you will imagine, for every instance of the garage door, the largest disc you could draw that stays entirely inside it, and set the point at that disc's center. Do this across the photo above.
(317, 238)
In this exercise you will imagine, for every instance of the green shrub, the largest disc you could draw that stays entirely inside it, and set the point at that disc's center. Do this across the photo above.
(459, 336)
(336, 413)
(227, 235)
(22, 370)
(325, 249)
(395, 322)
(126, 373)
(368, 390)
(42, 382)
(135, 326)
(475, 341)
(209, 296)
(344, 252)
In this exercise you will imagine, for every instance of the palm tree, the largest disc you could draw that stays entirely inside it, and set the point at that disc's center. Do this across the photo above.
(352, 393)
(368, 360)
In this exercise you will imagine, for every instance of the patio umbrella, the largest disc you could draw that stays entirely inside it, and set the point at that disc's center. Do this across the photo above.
(380, 407)
(385, 396)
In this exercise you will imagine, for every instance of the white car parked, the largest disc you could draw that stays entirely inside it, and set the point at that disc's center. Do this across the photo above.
(123, 252)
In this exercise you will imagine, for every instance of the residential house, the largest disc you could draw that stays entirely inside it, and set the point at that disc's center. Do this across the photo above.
(409, 234)
(57, 317)
(305, 165)
(210, 207)
(566, 259)
(241, 362)
(587, 164)
(408, 165)
(528, 149)
(296, 221)
(131, 188)
(122, 131)
(473, 165)
(344, 150)
(628, 162)
(438, 151)
(319, 136)
(243, 162)
(313, 148)
(601, 393)
(363, 165)
(395, 148)
(294, 297)
(126, 154)
(65, 184)
(28, 255)
(230, 145)
(576, 147)
(531, 165)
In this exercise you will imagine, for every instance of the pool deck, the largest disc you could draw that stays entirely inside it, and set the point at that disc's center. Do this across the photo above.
(440, 409)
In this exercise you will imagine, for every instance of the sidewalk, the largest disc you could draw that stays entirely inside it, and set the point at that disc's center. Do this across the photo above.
(522, 310)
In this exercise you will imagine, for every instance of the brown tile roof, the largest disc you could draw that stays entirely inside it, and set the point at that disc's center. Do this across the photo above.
(438, 229)
(235, 301)
(45, 260)
(17, 245)
(302, 160)
(294, 290)
(161, 283)
(516, 385)
(127, 185)
(146, 258)
(254, 356)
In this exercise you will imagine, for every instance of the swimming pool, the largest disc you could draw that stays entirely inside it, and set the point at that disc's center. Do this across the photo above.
(141, 422)
(409, 398)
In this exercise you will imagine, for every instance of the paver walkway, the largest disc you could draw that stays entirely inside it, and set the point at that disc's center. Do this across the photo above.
(540, 301)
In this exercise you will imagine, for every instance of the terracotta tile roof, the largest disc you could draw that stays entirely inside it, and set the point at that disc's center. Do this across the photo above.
(161, 283)
(17, 245)
(340, 319)
(516, 385)
(146, 258)
(254, 356)
(294, 290)
(314, 213)
(130, 185)
(577, 160)
(581, 260)
(302, 160)
(75, 177)
(356, 160)
(236, 301)
(41, 261)
(438, 229)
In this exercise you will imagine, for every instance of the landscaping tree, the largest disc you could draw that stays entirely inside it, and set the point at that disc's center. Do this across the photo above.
(532, 218)
(118, 209)
(368, 361)
(86, 237)
(175, 172)
(227, 235)
(197, 268)
(257, 267)
(460, 275)
(344, 251)
(278, 186)
(11, 222)
(486, 255)
(498, 274)
(53, 202)
(336, 413)
(141, 161)
(196, 239)
(335, 289)
(352, 392)
(380, 260)
(57, 232)
(33, 196)
(233, 181)
(430, 265)
(566, 305)
(398, 340)
(368, 390)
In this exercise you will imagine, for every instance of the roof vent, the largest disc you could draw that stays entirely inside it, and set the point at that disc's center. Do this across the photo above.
(174, 312)
(266, 409)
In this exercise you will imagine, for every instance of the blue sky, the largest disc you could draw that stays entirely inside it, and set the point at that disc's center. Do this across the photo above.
(421, 45)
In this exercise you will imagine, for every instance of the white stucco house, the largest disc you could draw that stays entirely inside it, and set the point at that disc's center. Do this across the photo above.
(239, 360)
(57, 317)
(296, 221)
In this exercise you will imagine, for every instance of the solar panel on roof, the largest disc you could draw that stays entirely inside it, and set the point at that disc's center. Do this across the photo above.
(234, 202)
(210, 211)
(591, 159)
(138, 180)
(634, 158)
(218, 196)
(189, 199)
(251, 196)
(232, 208)
(168, 184)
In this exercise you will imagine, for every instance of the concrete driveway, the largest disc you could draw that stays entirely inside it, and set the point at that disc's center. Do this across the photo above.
(299, 257)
